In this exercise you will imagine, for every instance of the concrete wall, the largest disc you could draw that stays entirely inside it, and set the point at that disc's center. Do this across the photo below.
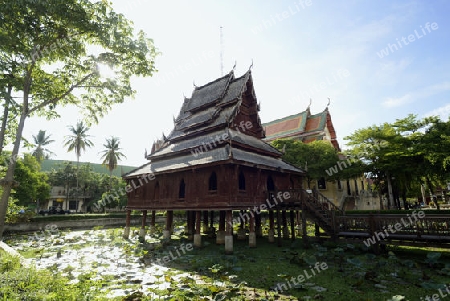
(74, 224)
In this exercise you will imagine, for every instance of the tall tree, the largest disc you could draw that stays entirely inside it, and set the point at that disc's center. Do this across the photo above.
(40, 141)
(111, 155)
(401, 154)
(52, 51)
(78, 141)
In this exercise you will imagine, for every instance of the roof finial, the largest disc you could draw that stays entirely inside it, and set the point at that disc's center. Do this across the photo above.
(145, 154)
(193, 82)
(251, 66)
(235, 63)
(329, 101)
(310, 102)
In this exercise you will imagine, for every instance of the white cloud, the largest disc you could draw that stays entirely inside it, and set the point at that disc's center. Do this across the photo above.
(443, 112)
(392, 102)
(428, 91)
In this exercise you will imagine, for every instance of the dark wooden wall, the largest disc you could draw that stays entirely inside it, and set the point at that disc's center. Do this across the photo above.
(162, 193)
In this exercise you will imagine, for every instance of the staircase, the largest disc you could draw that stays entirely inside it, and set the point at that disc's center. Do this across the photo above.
(318, 208)
(321, 210)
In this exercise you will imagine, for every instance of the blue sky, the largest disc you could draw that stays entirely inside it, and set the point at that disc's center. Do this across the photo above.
(377, 60)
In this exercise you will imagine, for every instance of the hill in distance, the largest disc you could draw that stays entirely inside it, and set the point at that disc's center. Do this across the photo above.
(48, 165)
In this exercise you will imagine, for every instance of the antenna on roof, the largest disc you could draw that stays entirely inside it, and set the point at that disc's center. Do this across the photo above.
(221, 51)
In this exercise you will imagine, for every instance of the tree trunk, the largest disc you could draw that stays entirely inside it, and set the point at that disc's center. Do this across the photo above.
(390, 194)
(8, 181)
(430, 186)
(5, 119)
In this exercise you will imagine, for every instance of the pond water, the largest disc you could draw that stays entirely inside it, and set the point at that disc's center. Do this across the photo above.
(122, 265)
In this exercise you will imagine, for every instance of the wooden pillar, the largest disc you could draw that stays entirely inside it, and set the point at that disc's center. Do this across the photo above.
(126, 232)
(285, 225)
(304, 232)
(168, 226)
(292, 221)
(229, 232)
(188, 221)
(220, 238)
(205, 221)
(279, 227)
(242, 235)
(197, 235)
(212, 229)
(271, 226)
(170, 215)
(252, 234)
(153, 222)
(258, 228)
(144, 221)
(191, 226)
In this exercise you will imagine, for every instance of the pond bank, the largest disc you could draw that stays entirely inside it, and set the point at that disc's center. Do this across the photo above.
(72, 224)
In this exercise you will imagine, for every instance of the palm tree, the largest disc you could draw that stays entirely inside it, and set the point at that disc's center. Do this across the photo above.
(41, 140)
(78, 141)
(111, 155)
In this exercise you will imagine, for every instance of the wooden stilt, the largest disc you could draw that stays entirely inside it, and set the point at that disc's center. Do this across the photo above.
(144, 221)
(220, 238)
(271, 227)
(126, 232)
(229, 232)
(197, 235)
(279, 227)
(292, 221)
(252, 234)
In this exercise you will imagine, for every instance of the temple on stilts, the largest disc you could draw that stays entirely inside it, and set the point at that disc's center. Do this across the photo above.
(215, 162)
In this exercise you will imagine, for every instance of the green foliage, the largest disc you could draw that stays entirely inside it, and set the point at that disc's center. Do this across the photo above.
(13, 214)
(32, 184)
(111, 153)
(18, 283)
(78, 140)
(314, 157)
(40, 141)
(52, 55)
(92, 184)
(412, 151)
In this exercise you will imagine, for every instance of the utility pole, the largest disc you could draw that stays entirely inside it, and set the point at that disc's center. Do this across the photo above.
(221, 51)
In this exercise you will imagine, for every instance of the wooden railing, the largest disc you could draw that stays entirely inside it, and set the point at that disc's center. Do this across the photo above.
(396, 226)
(408, 226)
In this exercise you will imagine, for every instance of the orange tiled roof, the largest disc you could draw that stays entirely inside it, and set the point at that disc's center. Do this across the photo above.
(303, 126)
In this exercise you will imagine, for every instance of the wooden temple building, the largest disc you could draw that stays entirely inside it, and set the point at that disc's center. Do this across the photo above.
(214, 161)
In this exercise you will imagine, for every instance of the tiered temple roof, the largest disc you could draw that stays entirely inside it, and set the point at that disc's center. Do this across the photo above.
(218, 124)
(303, 126)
